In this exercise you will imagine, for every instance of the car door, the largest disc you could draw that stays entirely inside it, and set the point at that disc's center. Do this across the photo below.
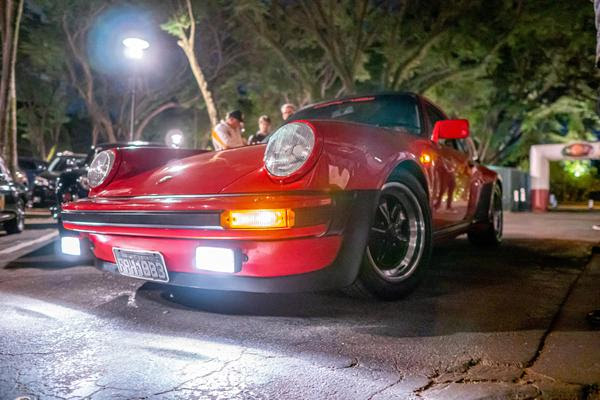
(452, 176)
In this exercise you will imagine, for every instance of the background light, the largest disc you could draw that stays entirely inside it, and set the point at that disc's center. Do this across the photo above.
(134, 47)
(175, 138)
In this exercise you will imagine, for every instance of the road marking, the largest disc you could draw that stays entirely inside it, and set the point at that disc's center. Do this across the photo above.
(20, 246)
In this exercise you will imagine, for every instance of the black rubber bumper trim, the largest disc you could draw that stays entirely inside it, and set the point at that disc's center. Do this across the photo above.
(355, 208)
(182, 219)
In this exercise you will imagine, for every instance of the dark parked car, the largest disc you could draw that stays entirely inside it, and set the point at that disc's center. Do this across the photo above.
(32, 167)
(13, 197)
(45, 183)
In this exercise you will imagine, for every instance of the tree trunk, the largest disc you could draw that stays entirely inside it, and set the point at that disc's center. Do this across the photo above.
(85, 84)
(187, 44)
(12, 158)
(211, 108)
(94, 136)
(6, 27)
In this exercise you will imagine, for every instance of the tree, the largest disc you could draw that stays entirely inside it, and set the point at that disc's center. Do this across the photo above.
(183, 26)
(63, 53)
(10, 20)
(543, 68)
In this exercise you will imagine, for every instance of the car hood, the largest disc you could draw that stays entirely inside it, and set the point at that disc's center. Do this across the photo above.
(206, 173)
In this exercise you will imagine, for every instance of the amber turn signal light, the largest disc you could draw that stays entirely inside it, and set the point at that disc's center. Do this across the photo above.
(258, 219)
(425, 158)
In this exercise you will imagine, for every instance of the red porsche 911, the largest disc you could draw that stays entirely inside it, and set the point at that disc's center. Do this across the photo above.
(348, 193)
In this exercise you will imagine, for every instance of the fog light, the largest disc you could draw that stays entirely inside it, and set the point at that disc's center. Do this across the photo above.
(70, 245)
(258, 219)
(217, 259)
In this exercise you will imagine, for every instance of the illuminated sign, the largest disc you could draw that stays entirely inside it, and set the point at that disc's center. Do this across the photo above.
(578, 150)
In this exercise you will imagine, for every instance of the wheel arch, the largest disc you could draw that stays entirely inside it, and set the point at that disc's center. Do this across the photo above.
(412, 168)
(484, 203)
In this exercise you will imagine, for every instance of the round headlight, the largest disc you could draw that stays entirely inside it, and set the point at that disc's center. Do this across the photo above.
(100, 168)
(289, 148)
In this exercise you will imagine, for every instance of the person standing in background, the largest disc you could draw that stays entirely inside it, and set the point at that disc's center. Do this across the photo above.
(287, 110)
(264, 129)
(228, 133)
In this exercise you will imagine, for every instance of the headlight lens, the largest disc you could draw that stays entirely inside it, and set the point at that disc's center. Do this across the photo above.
(289, 148)
(100, 168)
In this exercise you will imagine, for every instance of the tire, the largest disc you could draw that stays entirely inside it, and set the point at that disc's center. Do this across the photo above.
(489, 233)
(17, 224)
(399, 244)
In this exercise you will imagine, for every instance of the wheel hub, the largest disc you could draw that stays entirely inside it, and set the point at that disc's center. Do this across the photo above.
(396, 239)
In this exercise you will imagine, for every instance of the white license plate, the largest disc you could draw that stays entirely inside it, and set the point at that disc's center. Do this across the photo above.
(148, 265)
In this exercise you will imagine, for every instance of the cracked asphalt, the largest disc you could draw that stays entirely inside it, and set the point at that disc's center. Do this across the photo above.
(486, 323)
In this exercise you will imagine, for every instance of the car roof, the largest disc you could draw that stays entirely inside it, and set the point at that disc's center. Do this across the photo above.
(360, 96)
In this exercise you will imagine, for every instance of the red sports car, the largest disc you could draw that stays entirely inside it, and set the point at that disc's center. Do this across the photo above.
(347, 193)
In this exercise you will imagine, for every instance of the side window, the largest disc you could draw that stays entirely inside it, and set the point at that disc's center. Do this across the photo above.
(433, 115)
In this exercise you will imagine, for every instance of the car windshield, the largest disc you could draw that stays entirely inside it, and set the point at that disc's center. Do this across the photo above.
(389, 111)
(60, 164)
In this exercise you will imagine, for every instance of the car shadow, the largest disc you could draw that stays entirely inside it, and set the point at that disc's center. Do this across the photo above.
(517, 286)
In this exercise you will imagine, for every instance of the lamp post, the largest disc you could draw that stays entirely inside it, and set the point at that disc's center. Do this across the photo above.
(134, 50)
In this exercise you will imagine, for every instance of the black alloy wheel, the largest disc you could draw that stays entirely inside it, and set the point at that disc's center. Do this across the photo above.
(396, 238)
(17, 224)
(399, 243)
(491, 232)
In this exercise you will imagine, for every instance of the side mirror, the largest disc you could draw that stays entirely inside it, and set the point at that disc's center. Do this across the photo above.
(450, 129)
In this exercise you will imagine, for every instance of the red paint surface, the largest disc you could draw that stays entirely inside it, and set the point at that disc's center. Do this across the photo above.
(265, 258)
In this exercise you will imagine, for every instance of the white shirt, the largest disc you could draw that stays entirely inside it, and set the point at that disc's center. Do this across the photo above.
(226, 137)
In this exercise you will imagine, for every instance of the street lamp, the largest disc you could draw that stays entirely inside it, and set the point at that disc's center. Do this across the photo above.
(134, 49)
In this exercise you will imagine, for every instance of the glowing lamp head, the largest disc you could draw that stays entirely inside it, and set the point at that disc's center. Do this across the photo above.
(134, 47)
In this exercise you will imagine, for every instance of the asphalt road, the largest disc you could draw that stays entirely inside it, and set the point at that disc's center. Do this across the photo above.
(501, 323)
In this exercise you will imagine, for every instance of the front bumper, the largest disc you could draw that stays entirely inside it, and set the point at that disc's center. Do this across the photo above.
(324, 255)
